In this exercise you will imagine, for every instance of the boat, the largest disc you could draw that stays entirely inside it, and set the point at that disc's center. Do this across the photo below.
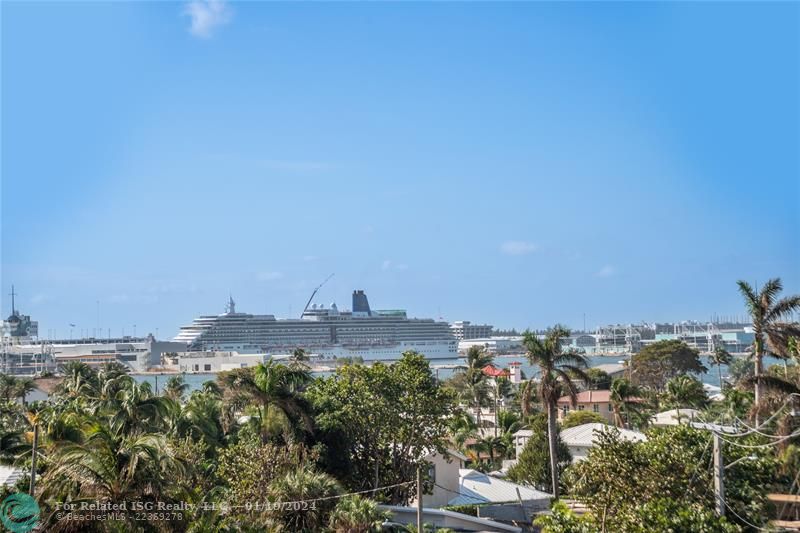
(373, 335)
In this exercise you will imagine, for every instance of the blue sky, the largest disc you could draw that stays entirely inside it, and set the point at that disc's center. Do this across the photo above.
(518, 164)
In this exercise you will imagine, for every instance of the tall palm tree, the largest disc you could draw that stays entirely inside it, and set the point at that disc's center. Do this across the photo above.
(685, 391)
(771, 331)
(720, 356)
(626, 401)
(476, 382)
(558, 370)
(276, 390)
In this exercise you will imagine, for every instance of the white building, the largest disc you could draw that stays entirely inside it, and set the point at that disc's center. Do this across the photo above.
(492, 344)
(211, 362)
(465, 330)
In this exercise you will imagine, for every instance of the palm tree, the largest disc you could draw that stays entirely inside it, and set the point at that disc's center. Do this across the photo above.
(304, 483)
(556, 370)
(354, 514)
(7, 386)
(685, 391)
(175, 388)
(476, 386)
(462, 428)
(720, 356)
(23, 387)
(509, 423)
(275, 389)
(625, 400)
(771, 331)
(80, 381)
(107, 467)
(490, 445)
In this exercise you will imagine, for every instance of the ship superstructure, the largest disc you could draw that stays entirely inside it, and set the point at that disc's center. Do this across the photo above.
(327, 331)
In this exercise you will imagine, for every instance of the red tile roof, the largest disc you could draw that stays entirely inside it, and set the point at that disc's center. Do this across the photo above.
(494, 372)
(588, 396)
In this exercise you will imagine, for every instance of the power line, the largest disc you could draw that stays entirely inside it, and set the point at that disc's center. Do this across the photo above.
(335, 497)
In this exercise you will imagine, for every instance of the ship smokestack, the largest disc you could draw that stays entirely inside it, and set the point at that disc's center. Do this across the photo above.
(360, 304)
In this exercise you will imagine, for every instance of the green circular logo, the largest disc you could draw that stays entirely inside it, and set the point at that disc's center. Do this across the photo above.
(19, 513)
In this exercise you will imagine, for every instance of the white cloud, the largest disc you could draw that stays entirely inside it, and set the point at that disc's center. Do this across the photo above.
(389, 265)
(269, 276)
(606, 271)
(206, 16)
(518, 247)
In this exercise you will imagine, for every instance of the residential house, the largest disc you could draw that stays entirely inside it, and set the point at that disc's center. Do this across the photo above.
(580, 439)
(596, 401)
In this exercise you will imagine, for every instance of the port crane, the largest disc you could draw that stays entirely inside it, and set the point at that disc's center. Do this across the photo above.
(314, 294)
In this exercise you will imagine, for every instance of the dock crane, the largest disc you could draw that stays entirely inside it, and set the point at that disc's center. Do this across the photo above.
(314, 294)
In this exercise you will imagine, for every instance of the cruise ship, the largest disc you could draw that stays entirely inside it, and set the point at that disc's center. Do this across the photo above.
(373, 335)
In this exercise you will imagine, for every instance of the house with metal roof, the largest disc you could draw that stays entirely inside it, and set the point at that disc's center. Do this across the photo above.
(580, 439)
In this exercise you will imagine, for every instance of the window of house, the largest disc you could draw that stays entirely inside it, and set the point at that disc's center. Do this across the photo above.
(581, 407)
(596, 408)
(610, 408)
(207, 368)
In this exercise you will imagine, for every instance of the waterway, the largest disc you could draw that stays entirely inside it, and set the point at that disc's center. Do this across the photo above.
(445, 368)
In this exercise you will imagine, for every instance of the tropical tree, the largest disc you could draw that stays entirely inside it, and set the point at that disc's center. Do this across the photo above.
(354, 514)
(720, 356)
(685, 391)
(579, 418)
(379, 423)
(104, 466)
(175, 388)
(22, 387)
(80, 381)
(276, 391)
(557, 371)
(626, 402)
(301, 485)
(657, 363)
(771, 331)
(533, 462)
(462, 428)
(508, 423)
(475, 386)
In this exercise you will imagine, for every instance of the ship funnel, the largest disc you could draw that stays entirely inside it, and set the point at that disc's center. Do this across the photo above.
(360, 304)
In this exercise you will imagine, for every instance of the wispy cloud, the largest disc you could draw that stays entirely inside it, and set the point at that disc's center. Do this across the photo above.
(206, 16)
(269, 276)
(606, 271)
(310, 258)
(518, 247)
(390, 265)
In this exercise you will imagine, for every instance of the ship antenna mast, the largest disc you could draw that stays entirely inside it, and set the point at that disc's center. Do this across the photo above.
(13, 308)
(314, 294)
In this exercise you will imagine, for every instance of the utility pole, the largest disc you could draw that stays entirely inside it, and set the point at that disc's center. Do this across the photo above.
(34, 450)
(719, 482)
(419, 499)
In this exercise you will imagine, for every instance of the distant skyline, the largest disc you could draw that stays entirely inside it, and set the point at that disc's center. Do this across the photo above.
(521, 164)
